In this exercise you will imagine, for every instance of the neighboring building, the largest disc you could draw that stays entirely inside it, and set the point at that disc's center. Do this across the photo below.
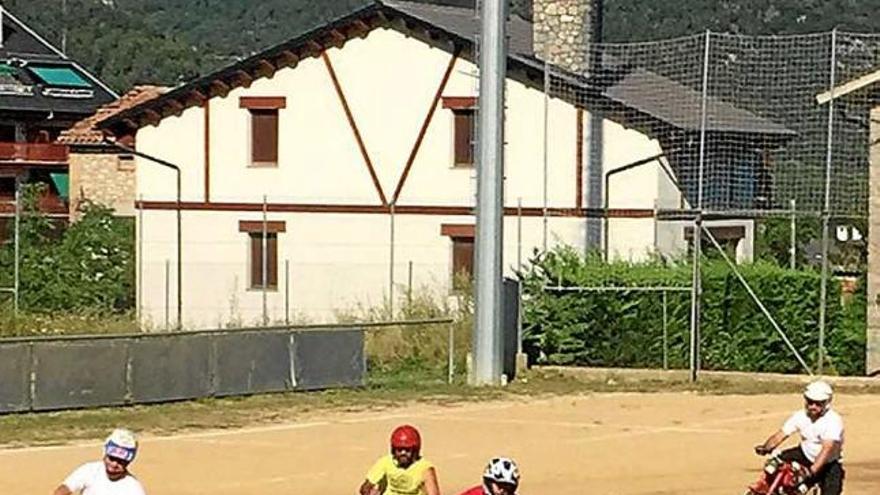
(42, 93)
(99, 173)
(361, 131)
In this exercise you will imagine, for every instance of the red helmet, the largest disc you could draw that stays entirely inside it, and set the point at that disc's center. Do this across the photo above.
(406, 437)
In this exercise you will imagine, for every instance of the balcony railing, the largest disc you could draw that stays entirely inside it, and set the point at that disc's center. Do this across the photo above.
(49, 153)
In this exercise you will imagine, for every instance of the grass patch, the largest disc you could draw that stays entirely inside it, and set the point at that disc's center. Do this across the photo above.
(382, 392)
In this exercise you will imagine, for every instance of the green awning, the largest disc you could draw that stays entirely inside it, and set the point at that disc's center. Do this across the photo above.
(62, 183)
(59, 76)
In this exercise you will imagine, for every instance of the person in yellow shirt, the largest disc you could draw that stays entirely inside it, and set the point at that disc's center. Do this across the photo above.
(403, 471)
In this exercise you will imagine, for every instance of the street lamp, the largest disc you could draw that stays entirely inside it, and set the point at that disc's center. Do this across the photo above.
(159, 161)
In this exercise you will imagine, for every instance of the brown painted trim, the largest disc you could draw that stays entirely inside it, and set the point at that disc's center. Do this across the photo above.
(256, 226)
(579, 160)
(424, 129)
(458, 230)
(263, 102)
(354, 128)
(385, 210)
(460, 102)
(207, 109)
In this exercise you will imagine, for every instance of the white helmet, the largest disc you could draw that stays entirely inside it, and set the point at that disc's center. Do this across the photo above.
(501, 470)
(121, 444)
(819, 391)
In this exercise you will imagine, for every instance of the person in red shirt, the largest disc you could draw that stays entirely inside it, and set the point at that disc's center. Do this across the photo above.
(501, 477)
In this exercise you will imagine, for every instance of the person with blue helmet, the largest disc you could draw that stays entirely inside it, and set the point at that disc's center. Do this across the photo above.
(109, 476)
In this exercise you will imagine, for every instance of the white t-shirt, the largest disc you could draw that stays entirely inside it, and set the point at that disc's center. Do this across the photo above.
(828, 427)
(91, 479)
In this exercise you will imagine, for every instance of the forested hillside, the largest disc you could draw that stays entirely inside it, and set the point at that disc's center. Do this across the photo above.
(168, 41)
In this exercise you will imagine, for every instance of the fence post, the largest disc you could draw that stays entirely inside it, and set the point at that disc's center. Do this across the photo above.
(287, 292)
(826, 209)
(139, 252)
(519, 234)
(409, 286)
(665, 334)
(792, 260)
(167, 291)
(265, 262)
(450, 366)
(391, 267)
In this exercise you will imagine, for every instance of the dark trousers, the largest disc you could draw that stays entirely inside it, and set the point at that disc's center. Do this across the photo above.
(829, 479)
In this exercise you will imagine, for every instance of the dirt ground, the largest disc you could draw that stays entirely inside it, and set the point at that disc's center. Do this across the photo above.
(577, 445)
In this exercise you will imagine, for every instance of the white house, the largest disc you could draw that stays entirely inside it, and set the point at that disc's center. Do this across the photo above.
(354, 142)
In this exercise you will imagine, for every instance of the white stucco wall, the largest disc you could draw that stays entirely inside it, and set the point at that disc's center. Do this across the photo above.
(340, 260)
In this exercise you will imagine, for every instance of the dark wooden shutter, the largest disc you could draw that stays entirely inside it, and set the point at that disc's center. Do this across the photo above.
(264, 136)
(462, 258)
(257, 260)
(464, 137)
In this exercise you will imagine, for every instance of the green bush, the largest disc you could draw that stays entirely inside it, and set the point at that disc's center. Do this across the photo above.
(625, 328)
(87, 267)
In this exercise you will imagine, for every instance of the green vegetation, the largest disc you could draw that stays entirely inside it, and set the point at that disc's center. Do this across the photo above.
(625, 329)
(169, 41)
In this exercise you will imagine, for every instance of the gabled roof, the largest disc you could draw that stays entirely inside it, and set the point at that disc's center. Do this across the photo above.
(631, 97)
(37, 77)
(86, 132)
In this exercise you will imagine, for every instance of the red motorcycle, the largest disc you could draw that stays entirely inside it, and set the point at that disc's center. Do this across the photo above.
(782, 478)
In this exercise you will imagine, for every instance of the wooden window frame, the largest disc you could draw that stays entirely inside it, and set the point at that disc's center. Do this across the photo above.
(463, 110)
(252, 114)
(460, 233)
(255, 261)
(254, 230)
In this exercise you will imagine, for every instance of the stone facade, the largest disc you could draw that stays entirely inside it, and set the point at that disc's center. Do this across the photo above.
(873, 343)
(105, 178)
(563, 31)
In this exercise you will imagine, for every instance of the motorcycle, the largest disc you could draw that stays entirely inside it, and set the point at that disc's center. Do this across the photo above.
(782, 478)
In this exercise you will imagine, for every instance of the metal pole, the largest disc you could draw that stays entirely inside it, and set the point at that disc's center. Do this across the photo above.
(265, 261)
(792, 260)
(140, 262)
(665, 334)
(450, 365)
(287, 292)
(546, 150)
(391, 266)
(167, 292)
(164, 163)
(409, 285)
(697, 287)
(490, 227)
(179, 257)
(519, 264)
(826, 211)
(17, 234)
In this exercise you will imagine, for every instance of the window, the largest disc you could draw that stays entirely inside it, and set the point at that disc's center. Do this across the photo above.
(264, 137)
(464, 137)
(254, 230)
(462, 261)
(462, 237)
(264, 127)
(257, 261)
(463, 113)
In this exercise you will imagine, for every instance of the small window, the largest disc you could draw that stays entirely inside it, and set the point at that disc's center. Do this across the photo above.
(464, 137)
(462, 261)
(256, 261)
(264, 137)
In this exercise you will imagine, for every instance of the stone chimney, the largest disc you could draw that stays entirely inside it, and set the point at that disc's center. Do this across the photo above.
(563, 31)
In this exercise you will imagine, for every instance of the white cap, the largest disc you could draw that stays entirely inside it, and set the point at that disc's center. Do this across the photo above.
(819, 391)
(121, 444)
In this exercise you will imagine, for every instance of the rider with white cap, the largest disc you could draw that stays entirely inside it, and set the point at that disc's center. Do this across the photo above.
(821, 432)
(109, 476)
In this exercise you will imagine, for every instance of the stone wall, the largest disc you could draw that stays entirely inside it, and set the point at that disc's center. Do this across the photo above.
(563, 30)
(873, 344)
(103, 178)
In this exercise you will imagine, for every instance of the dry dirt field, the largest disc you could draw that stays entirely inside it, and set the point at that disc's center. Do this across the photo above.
(577, 445)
